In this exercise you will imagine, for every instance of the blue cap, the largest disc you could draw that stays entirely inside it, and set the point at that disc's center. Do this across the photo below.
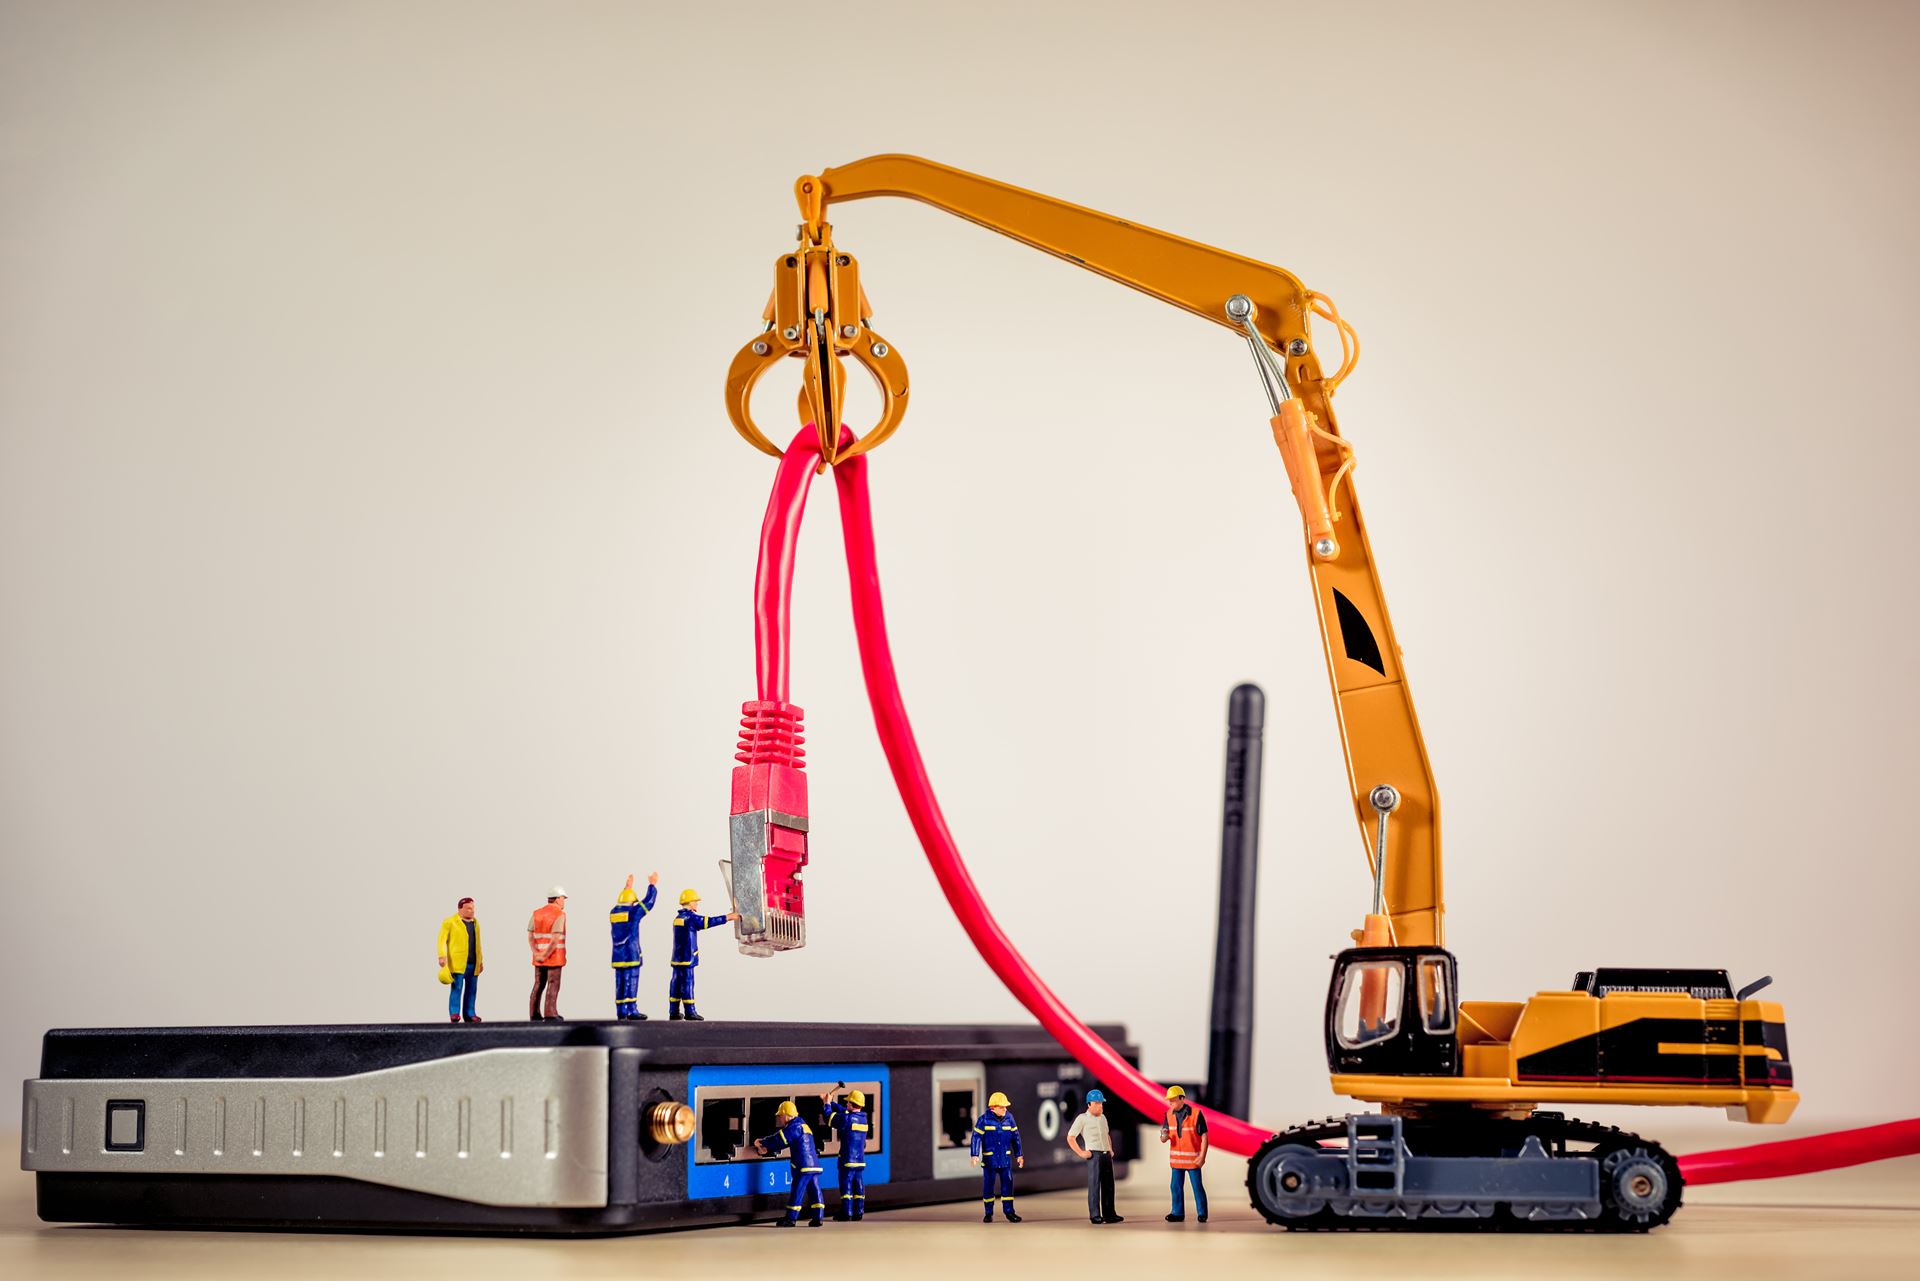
(1094, 1096)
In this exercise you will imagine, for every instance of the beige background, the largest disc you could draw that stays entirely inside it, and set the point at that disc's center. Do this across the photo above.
(371, 534)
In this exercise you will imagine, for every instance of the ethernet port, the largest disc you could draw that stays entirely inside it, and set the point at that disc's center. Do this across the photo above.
(723, 1128)
(959, 1097)
(958, 1101)
(876, 1136)
(760, 1110)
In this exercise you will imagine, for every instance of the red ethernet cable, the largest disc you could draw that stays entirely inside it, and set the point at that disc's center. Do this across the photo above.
(772, 628)
(1804, 1156)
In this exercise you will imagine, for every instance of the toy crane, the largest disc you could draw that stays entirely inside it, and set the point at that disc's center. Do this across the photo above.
(1461, 1132)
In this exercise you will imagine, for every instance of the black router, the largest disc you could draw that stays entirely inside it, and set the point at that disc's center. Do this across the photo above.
(577, 1127)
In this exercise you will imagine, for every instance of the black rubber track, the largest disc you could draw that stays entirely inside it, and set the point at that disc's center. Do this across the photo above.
(1467, 1135)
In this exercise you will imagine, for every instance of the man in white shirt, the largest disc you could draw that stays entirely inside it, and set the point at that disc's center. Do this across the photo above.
(1090, 1129)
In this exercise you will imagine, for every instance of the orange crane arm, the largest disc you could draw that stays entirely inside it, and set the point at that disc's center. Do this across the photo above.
(1192, 276)
(1378, 725)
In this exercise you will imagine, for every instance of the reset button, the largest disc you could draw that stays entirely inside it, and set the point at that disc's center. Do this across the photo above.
(126, 1125)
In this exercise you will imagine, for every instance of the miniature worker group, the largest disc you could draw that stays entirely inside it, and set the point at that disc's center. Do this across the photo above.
(1183, 1130)
(462, 960)
(849, 1121)
(994, 1144)
(995, 1148)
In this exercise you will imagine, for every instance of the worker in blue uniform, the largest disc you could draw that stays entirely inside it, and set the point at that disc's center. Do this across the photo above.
(624, 922)
(849, 1121)
(687, 925)
(996, 1150)
(797, 1139)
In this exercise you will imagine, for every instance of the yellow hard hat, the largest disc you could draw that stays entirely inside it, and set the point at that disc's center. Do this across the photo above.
(1175, 1092)
(786, 1109)
(998, 1100)
(689, 896)
(856, 1098)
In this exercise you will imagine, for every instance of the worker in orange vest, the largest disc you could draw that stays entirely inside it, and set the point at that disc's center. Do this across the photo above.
(1184, 1131)
(547, 939)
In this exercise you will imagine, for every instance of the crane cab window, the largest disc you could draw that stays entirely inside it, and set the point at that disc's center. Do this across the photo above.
(1369, 1006)
(1436, 995)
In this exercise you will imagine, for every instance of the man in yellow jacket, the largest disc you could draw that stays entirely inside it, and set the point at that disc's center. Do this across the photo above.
(461, 962)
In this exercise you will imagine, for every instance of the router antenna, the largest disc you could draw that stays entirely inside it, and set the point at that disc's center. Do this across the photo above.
(1230, 1037)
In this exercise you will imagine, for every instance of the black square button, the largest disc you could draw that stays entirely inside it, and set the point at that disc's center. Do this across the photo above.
(126, 1125)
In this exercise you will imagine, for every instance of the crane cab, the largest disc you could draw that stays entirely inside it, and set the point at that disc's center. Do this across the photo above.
(1394, 1011)
(1398, 1035)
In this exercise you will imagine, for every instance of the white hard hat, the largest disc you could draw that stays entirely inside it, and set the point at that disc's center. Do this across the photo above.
(558, 891)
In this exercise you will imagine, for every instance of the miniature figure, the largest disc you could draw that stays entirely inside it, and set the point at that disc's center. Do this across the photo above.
(1090, 1128)
(996, 1150)
(461, 962)
(624, 921)
(795, 1136)
(547, 939)
(1185, 1128)
(687, 925)
(850, 1119)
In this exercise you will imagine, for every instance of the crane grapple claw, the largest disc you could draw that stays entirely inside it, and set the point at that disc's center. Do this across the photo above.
(819, 315)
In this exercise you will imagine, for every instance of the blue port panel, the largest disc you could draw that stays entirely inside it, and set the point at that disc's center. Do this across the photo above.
(744, 1176)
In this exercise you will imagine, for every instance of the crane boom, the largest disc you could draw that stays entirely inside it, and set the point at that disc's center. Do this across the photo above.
(1379, 728)
(1189, 275)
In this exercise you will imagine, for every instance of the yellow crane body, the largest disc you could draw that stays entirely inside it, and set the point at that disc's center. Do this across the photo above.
(1457, 1081)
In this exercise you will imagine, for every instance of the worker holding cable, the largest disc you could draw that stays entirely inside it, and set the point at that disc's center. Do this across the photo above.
(687, 924)
(996, 1150)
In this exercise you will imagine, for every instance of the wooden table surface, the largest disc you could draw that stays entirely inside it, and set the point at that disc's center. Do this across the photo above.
(1863, 1222)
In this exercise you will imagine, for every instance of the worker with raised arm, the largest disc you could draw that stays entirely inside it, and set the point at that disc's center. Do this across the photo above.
(547, 940)
(687, 924)
(794, 1135)
(1185, 1133)
(995, 1148)
(849, 1121)
(624, 923)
